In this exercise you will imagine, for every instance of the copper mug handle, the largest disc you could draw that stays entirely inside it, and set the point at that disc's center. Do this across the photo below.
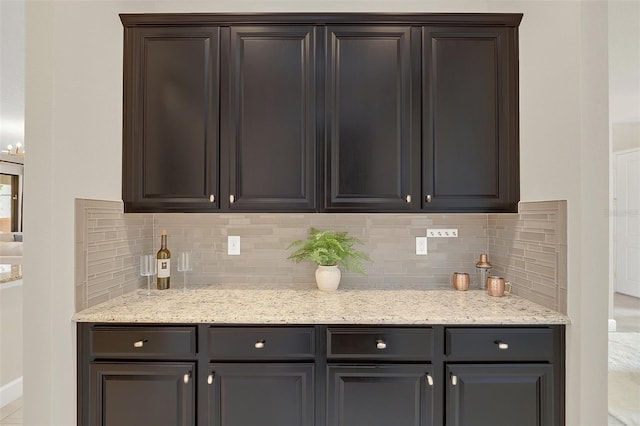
(498, 287)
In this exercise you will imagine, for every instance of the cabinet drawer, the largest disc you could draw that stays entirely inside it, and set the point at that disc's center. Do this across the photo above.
(499, 344)
(411, 344)
(143, 342)
(261, 343)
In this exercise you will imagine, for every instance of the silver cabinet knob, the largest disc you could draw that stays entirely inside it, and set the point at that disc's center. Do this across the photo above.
(429, 379)
(259, 344)
(407, 198)
(212, 198)
(186, 377)
(232, 199)
(454, 380)
(427, 198)
(139, 343)
(502, 345)
(210, 379)
(381, 344)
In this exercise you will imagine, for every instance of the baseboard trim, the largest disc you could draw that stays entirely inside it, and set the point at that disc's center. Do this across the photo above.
(10, 392)
(612, 325)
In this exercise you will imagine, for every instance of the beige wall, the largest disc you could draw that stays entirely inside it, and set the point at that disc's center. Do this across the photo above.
(74, 122)
(625, 136)
(624, 61)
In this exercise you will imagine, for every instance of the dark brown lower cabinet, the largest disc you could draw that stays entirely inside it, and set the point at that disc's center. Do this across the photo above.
(136, 394)
(261, 394)
(319, 375)
(380, 395)
(499, 395)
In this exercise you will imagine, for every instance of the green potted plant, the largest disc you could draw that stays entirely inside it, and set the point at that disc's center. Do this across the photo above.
(328, 250)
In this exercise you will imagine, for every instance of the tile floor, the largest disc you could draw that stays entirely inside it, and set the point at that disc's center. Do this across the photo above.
(626, 314)
(11, 414)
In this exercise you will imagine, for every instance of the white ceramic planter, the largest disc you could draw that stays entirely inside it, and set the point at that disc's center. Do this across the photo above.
(328, 277)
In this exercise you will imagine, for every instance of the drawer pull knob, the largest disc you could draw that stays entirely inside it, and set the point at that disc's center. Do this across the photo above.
(259, 344)
(454, 380)
(210, 378)
(232, 198)
(186, 377)
(429, 379)
(212, 198)
(407, 198)
(502, 345)
(381, 344)
(427, 198)
(139, 343)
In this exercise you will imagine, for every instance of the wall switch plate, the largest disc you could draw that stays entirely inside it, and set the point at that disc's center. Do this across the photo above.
(442, 233)
(421, 245)
(233, 245)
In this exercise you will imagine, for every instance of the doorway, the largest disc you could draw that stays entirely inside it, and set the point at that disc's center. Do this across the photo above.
(624, 338)
(627, 222)
(10, 217)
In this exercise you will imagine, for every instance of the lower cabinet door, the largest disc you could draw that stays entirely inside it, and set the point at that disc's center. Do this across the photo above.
(137, 394)
(262, 394)
(499, 395)
(380, 395)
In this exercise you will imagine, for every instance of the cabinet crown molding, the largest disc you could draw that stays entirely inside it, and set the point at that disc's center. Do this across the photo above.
(198, 19)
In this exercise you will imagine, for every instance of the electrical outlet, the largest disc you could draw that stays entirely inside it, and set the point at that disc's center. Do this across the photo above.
(421, 245)
(442, 233)
(233, 245)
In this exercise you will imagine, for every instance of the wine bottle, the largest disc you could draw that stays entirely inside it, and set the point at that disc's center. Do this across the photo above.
(164, 263)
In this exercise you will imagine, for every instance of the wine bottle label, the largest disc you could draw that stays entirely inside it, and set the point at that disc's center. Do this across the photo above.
(164, 268)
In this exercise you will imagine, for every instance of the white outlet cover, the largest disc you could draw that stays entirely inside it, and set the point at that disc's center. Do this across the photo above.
(233, 245)
(421, 246)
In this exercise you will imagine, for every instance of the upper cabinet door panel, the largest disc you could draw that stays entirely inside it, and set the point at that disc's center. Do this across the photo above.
(271, 118)
(171, 119)
(470, 107)
(369, 85)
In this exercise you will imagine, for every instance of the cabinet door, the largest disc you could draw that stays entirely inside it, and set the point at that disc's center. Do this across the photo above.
(500, 395)
(170, 139)
(261, 394)
(135, 394)
(372, 94)
(380, 395)
(271, 118)
(470, 120)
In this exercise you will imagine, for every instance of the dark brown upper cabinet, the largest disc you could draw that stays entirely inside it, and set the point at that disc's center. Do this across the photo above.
(269, 118)
(372, 96)
(171, 132)
(470, 119)
(321, 112)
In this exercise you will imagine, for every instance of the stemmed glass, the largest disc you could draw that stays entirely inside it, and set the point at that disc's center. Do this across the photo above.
(148, 268)
(184, 266)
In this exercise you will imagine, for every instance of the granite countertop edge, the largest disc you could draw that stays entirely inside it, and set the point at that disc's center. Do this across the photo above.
(305, 305)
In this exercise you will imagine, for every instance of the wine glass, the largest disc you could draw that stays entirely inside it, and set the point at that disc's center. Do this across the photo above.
(184, 265)
(148, 268)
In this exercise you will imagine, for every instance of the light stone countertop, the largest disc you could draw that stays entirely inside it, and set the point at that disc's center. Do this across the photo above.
(304, 304)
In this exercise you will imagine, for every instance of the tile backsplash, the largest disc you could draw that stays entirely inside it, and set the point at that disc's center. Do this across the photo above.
(108, 243)
(107, 246)
(530, 250)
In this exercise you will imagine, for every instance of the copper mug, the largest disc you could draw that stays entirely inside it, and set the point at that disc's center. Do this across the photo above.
(497, 286)
(460, 280)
